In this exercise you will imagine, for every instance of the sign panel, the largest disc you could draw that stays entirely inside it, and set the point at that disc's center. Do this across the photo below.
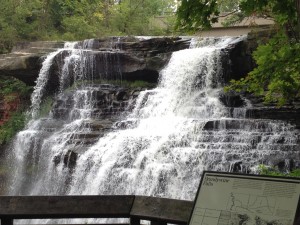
(238, 199)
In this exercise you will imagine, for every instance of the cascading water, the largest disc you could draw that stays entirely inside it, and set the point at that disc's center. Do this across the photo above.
(173, 133)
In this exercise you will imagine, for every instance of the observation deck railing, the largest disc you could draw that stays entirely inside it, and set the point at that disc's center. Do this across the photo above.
(159, 211)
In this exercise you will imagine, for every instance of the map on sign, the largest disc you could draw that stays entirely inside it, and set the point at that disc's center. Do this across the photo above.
(256, 204)
(236, 199)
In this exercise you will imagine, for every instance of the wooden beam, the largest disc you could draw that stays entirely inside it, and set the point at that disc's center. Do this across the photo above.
(161, 210)
(7, 221)
(40, 207)
(135, 221)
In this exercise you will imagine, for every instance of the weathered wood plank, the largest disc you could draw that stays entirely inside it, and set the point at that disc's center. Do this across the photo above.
(30, 207)
(158, 223)
(161, 209)
(7, 221)
(135, 221)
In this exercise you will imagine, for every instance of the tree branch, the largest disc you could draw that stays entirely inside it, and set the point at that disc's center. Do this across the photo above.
(228, 14)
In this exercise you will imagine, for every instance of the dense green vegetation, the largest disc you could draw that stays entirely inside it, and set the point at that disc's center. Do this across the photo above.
(12, 126)
(79, 19)
(9, 86)
(277, 77)
(16, 94)
(273, 171)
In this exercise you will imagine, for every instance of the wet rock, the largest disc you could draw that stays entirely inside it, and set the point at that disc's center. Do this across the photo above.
(232, 100)
(25, 60)
(108, 100)
(291, 115)
(134, 58)
(70, 159)
(234, 124)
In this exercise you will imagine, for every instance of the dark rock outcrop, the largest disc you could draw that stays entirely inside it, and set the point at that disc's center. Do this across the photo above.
(109, 104)
(109, 101)
(25, 60)
(259, 110)
(140, 59)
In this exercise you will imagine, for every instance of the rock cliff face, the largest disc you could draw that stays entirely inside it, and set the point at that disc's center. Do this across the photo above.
(110, 103)
(142, 59)
(139, 59)
(25, 60)
(87, 113)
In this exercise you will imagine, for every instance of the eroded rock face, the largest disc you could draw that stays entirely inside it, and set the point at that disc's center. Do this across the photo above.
(25, 60)
(290, 112)
(139, 59)
(100, 106)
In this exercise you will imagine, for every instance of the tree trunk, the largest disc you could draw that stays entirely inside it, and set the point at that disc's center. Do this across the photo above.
(297, 3)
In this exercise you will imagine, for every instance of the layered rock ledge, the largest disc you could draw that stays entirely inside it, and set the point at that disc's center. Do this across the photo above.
(139, 58)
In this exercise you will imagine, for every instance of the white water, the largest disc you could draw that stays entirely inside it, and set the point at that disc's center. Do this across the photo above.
(39, 89)
(165, 151)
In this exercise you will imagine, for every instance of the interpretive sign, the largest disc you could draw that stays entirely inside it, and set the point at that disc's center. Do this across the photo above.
(238, 199)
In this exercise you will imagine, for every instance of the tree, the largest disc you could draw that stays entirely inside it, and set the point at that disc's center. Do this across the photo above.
(277, 75)
(76, 19)
(19, 19)
(132, 17)
(197, 14)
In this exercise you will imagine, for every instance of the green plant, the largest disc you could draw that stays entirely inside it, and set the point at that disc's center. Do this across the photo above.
(12, 126)
(277, 75)
(11, 90)
(10, 85)
(274, 171)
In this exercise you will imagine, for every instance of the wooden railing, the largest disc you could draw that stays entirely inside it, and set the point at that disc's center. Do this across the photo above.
(159, 211)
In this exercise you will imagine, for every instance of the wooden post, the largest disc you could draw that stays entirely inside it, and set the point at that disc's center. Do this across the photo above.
(133, 221)
(158, 223)
(7, 221)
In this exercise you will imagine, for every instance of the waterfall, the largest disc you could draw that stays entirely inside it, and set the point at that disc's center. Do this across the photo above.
(38, 93)
(160, 148)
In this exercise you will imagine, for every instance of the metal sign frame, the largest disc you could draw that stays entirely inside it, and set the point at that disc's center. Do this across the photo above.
(232, 199)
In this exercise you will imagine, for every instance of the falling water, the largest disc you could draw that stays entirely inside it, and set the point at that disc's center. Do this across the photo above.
(173, 133)
(38, 93)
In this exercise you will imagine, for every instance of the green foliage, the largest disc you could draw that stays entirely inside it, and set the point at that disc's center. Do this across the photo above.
(12, 126)
(9, 86)
(277, 76)
(273, 171)
(76, 19)
(282, 11)
(10, 89)
(194, 14)
(133, 17)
